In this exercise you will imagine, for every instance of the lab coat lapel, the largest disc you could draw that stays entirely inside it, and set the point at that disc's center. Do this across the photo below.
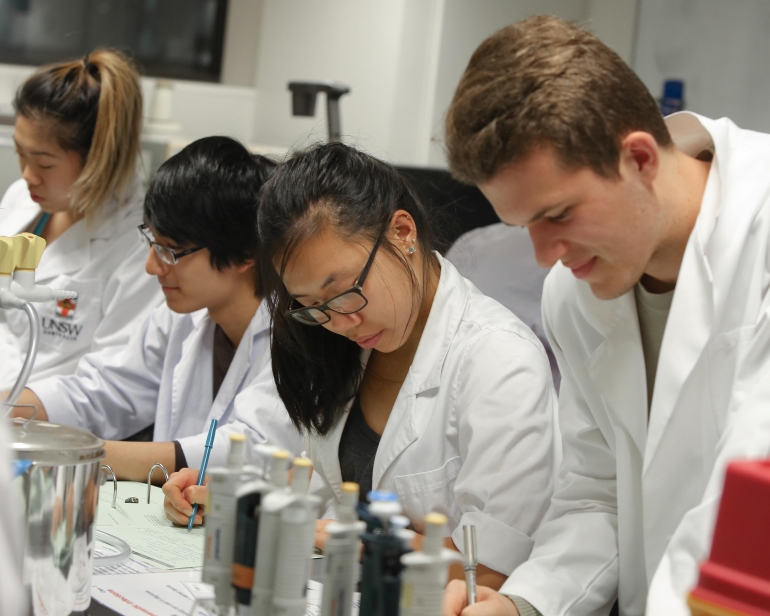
(617, 365)
(70, 253)
(691, 317)
(425, 372)
(194, 370)
(241, 364)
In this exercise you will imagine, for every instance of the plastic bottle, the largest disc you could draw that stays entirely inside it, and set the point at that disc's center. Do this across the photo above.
(267, 542)
(220, 522)
(295, 545)
(249, 500)
(426, 574)
(341, 555)
(381, 567)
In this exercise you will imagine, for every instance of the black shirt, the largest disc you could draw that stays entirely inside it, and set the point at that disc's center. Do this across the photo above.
(358, 447)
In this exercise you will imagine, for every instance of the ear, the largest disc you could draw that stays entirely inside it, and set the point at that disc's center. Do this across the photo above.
(245, 266)
(403, 232)
(640, 155)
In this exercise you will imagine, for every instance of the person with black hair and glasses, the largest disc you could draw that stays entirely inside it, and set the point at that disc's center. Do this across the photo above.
(196, 353)
(400, 373)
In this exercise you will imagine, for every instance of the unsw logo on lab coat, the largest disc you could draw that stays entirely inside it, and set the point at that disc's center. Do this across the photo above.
(64, 327)
(66, 307)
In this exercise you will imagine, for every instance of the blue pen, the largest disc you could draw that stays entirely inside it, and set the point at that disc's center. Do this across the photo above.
(204, 464)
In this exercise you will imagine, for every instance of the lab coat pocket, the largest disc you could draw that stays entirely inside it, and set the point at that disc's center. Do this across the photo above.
(422, 493)
(724, 357)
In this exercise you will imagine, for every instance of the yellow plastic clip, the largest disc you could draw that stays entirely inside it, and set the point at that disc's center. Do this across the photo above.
(7, 256)
(30, 249)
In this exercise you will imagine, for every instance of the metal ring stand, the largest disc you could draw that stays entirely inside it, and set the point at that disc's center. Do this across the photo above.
(149, 477)
(114, 483)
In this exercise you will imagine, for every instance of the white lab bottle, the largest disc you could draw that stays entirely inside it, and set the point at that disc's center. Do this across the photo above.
(426, 573)
(341, 554)
(220, 523)
(295, 545)
(250, 499)
(267, 543)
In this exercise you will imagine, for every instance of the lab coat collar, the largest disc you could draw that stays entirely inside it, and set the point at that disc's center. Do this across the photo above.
(691, 316)
(440, 329)
(197, 352)
(617, 364)
(424, 374)
(71, 252)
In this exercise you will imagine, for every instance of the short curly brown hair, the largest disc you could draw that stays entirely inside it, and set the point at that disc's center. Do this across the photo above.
(544, 81)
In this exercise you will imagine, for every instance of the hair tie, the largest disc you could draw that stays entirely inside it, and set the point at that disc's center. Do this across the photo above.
(91, 68)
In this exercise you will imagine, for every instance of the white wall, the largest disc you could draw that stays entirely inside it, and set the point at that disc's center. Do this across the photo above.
(721, 50)
(356, 42)
(402, 59)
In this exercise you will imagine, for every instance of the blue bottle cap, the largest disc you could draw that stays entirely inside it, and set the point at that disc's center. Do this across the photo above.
(673, 88)
(382, 496)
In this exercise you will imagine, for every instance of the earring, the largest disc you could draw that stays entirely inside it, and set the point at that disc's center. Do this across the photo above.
(412, 250)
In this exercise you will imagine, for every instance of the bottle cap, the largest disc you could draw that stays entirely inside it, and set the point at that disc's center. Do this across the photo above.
(435, 523)
(301, 479)
(382, 495)
(235, 455)
(279, 471)
(346, 512)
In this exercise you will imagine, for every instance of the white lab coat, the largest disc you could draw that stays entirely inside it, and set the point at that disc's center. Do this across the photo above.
(637, 502)
(103, 262)
(471, 433)
(165, 375)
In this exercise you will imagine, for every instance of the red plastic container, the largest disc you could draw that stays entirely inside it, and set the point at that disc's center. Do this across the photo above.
(735, 580)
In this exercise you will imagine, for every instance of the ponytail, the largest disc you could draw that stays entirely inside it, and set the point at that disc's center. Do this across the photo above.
(92, 107)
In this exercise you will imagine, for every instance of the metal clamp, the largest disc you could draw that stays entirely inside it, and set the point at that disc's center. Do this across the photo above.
(114, 483)
(21, 406)
(149, 477)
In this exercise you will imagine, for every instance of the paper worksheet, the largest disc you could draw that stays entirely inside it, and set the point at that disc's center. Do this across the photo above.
(170, 594)
(143, 594)
(152, 537)
(166, 547)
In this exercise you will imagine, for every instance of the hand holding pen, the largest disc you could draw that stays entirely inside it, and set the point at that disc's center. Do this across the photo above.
(204, 465)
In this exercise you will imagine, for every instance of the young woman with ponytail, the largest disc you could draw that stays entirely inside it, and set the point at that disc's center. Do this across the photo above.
(77, 140)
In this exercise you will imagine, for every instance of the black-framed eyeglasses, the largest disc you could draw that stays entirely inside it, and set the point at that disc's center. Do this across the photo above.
(347, 302)
(165, 254)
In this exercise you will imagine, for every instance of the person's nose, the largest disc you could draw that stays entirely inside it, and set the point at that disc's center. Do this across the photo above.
(154, 266)
(29, 175)
(549, 245)
(342, 323)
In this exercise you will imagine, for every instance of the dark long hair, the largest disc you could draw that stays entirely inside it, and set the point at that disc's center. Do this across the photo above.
(318, 372)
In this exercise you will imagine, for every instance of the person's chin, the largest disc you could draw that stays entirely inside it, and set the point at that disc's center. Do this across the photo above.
(611, 287)
(179, 304)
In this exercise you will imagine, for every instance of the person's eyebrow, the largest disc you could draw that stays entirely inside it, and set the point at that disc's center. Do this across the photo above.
(35, 152)
(545, 210)
(333, 277)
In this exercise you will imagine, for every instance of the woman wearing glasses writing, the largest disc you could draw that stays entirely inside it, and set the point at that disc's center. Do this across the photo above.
(400, 373)
(193, 357)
